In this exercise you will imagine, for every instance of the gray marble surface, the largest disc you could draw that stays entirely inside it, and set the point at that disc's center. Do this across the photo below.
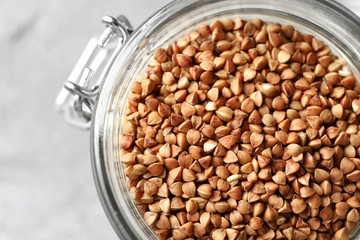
(46, 184)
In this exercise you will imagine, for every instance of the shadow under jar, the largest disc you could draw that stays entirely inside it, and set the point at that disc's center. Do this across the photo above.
(327, 20)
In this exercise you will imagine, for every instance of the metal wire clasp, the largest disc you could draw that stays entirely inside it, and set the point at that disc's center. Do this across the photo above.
(77, 98)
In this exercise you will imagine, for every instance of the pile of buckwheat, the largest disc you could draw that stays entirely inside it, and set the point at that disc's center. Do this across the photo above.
(244, 130)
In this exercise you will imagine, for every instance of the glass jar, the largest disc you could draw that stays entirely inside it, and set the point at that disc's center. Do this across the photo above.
(103, 105)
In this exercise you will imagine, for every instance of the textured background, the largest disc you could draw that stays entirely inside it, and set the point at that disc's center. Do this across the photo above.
(46, 184)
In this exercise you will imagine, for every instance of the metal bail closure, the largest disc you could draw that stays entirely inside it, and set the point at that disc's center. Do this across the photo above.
(77, 98)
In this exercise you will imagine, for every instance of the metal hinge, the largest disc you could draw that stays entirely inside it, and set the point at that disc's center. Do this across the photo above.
(76, 99)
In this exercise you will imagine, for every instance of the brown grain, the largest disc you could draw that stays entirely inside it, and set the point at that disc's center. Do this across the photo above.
(244, 130)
